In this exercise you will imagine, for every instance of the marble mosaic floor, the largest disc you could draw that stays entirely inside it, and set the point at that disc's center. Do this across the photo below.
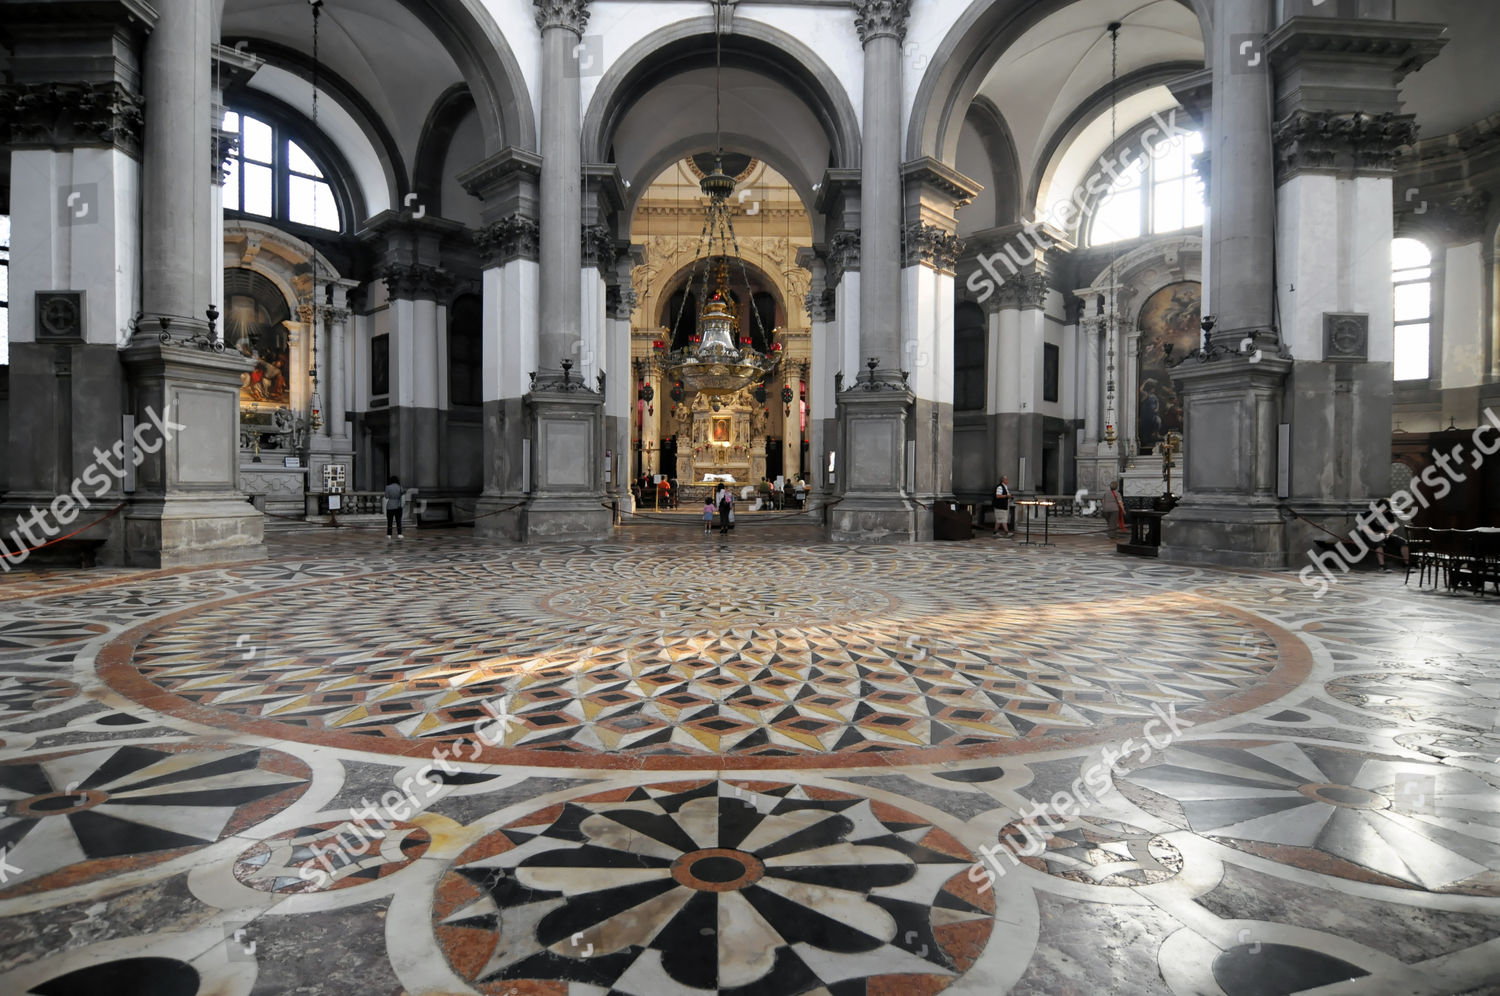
(678, 764)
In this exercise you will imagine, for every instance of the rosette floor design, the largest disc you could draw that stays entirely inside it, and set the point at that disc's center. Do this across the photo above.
(662, 767)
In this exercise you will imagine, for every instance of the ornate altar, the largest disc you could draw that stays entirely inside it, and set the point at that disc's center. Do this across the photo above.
(727, 435)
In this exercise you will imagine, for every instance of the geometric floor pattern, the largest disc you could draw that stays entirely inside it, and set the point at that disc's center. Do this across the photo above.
(678, 764)
(715, 886)
(829, 665)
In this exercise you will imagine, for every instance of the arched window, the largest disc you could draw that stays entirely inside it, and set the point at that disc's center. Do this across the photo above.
(1411, 273)
(272, 176)
(1156, 192)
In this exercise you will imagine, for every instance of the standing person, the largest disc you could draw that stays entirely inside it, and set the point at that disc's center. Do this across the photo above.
(726, 509)
(1002, 507)
(708, 514)
(393, 494)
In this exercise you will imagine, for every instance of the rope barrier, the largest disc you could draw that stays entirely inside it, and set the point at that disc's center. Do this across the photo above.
(688, 517)
(333, 522)
(103, 518)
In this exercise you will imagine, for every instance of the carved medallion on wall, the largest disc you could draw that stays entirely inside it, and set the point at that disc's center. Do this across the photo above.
(1345, 336)
(59, 316)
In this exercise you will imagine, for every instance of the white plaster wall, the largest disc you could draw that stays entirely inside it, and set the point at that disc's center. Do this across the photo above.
(97, 253)
(1463, 317)
(1333, 246)
(847, 359)
(927, 332)
(510, 328)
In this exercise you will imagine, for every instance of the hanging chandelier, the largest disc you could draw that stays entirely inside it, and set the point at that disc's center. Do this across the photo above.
(717, 360)
(1112, 324)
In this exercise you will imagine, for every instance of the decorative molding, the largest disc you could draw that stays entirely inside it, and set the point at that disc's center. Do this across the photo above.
(821, 306)
(488, 179)
(881, 18)
(570, 14)
(1203, 165)
(843, 255)
(598, 246)
(60, 115)
(1456, 219)
(1346, 336)
(224, 144)
(417, 282)
(937, 176)
(1408, 46)
(1195, 92)
(516, 237)
(1027, 291)
(923, 243)
(1340, 141)
(59, 316)
(619, 302)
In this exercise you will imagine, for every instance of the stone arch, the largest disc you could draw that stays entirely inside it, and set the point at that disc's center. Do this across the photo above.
(447, 113)
(489, 67)
(733, 142)
(750, 45)
(984, 31)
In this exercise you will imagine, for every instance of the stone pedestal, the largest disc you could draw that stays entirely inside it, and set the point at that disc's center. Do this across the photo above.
(187, 507)
(871, 468)
(1229, 515)
(567, 498)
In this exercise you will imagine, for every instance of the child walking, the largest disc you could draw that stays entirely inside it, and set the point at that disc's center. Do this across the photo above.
(708, 515)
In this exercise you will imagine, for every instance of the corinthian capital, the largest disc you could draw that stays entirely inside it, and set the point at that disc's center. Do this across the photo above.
(874, 18)
(570, 14)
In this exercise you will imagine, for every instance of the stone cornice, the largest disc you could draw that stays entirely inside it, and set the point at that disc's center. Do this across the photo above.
(487, 179)
(515, 237)
(417, 282)
(1344, 142)
(1455, 219)
(70, 115)
(1407, 45)
(881, 18)
(941, 178)
(835, 185)
(570, 14)
(924, 244)
(1195, 92)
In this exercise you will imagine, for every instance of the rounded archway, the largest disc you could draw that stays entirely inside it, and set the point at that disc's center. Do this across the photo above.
(780, 102)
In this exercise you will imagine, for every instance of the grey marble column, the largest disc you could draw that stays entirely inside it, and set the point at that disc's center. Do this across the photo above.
(562, 23)
(1242, 203)
(566, 408)
(176, 195)
(882, 27)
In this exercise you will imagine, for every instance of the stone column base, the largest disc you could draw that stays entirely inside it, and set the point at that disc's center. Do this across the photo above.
(875, 520)
(187, 531)
(874, 507)
(567, 499)
(1232, 532)
(491, 523)
(566, 520)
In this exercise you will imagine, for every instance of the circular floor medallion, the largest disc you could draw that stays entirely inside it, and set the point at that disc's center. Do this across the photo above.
(668, 661)
(714, 886)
